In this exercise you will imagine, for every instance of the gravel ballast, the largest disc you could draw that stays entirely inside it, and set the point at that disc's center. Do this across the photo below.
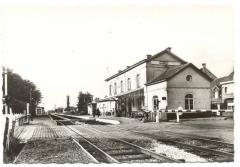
(52, 151)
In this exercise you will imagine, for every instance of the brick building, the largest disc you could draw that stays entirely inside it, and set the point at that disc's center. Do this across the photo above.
(161, 81)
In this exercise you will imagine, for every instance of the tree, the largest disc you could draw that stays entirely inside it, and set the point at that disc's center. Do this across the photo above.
(83, 100)
(20, 92)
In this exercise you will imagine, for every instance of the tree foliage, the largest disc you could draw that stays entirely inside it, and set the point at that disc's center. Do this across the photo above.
(20, 92)
(83, 100)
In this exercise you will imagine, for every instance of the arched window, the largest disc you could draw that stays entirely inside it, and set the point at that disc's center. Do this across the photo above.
(138, 81)
(155, 102)
(189, 101)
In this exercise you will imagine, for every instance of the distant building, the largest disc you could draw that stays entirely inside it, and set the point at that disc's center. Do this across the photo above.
(92, 107)
(40, 111)
(162, 81)
(70, 109)
(223, 92)
(107, 106)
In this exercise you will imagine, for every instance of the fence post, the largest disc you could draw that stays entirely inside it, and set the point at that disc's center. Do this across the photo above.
(5, 139)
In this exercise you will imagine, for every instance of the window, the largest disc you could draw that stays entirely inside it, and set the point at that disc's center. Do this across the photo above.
(155, 102)
(115, 88)
(110, 90)
(189, 78)
(129, 83)
(225, 89)
(215, 94)
(121, 85)
(189, 101)
(138, 81)
(154, 62)
(173, 63)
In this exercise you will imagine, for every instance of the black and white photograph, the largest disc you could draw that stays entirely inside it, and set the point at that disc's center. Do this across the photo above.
(118, 82)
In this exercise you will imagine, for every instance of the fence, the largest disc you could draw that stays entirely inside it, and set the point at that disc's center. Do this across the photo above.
(10, 122)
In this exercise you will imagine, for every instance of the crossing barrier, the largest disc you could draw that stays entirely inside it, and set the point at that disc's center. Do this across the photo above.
(180, 112)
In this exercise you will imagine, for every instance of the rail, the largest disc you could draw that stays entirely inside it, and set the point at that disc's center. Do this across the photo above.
(139, 149)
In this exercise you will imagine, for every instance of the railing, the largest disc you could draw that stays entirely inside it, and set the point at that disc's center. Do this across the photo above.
(10, 122)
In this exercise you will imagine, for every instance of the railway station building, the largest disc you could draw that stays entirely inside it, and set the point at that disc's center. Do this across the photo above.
(159, 82)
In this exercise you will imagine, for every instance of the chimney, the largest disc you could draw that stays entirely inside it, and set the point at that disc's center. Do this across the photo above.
(149, 56)
(119, 71)
(204, 65)
(169, 49)
(128, 66)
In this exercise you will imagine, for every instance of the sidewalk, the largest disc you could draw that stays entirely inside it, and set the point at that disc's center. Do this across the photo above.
(48, 143)
(40, 128)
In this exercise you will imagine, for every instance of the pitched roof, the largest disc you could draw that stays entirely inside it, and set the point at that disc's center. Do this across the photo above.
(172, 71)
(217, 81)
(208, 72)
(167, 50)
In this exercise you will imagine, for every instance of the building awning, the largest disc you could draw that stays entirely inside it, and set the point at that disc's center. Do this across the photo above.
(135, 94)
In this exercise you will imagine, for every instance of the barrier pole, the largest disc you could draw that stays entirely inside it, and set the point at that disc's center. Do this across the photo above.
(157, 116)
(177, 115)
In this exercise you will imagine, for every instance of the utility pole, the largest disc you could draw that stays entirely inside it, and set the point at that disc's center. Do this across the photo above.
(5, 91)
(30, 102)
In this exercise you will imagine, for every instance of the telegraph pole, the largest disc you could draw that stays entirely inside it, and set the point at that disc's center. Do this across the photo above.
(5, 91)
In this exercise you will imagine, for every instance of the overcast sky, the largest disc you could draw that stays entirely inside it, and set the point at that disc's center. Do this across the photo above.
(67, 49)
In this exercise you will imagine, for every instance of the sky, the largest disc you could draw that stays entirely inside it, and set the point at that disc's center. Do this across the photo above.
(65, 49)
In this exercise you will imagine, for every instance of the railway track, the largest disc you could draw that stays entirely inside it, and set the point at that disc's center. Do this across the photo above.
(210, 149)
(113, 150)
(204, 147)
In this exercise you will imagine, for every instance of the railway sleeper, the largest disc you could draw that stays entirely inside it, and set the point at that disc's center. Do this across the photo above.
(121, 150)
(125, 158)
(117, 149)
(125, 153)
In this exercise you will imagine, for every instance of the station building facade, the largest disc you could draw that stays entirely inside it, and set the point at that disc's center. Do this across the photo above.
(161, 81)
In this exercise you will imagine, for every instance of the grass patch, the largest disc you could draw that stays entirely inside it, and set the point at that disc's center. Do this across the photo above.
(15, 147)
